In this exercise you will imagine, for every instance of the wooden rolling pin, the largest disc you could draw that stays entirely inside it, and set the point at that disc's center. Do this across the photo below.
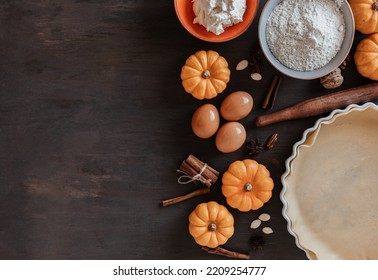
(322, 104)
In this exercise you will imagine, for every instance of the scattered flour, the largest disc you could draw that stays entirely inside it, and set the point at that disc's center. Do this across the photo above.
(305, 35)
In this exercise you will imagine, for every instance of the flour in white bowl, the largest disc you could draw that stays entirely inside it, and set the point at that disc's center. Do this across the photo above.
(216, 15)
(305, 35)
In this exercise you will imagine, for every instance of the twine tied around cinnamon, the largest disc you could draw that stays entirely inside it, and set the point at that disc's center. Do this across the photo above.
(193, 178)
(194, 170)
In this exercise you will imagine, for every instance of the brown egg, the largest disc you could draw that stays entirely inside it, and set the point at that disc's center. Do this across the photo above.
(230, 137)
(236, 106)
(205, 121)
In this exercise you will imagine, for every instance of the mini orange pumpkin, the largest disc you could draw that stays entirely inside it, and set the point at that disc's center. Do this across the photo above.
(211, 224)
(365, 14)
(247, 185)
(205, 74)
(366, 57)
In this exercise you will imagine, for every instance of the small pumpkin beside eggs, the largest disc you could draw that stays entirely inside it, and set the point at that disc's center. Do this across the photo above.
(247, 185)
(211, 224)
(366, 57)
(205, 74)
(365, 13)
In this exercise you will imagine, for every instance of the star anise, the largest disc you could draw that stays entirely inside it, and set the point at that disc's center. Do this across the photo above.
(256, 242)
(255, 147)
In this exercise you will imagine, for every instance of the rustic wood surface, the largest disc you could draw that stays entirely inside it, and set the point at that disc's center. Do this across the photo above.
(94, 123)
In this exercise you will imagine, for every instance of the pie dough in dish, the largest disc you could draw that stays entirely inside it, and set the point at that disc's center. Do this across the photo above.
(330, 187)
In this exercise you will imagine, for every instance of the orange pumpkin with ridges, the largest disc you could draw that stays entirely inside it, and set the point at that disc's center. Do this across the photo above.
(205, 74)
(211, 224)
(247, 185)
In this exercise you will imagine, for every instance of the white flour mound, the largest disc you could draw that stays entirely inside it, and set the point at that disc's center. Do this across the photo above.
(216, 15)
(305, 35)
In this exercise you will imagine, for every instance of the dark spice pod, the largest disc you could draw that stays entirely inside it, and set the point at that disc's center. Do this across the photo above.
(256, 242)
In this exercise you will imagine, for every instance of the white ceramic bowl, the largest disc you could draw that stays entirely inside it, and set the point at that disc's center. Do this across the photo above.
(314, 74)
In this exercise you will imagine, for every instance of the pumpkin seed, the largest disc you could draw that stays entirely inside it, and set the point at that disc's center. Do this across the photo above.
(242, 65)
(256, 76)
(264, 217)
(267, 230)
(255, 224)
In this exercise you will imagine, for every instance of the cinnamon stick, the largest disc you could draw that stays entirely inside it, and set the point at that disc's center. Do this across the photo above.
(194, 170)
(178, 199)
(199, 170)
(271, 140)
(271, 94)
(187, 168)
(273, 98)
(226, 253)
(208, 173)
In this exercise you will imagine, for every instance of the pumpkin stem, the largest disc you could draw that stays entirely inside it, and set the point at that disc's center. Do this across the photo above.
(212, 227)
(375, 6)
(248, 187)
(206, 74)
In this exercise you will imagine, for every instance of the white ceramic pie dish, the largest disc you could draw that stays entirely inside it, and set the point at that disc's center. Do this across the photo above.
(330, 186)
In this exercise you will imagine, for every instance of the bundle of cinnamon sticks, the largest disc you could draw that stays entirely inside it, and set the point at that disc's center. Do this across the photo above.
(194, 170)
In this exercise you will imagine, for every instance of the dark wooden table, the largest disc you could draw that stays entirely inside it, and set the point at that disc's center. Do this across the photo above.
(94, 123)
